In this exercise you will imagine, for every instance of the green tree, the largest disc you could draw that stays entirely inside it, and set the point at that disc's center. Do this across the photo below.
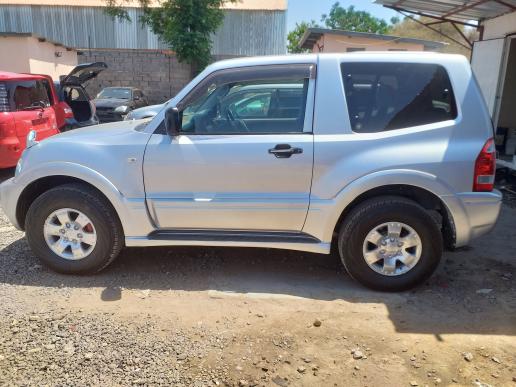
(352, 20)
(294, 37)
(186, 26)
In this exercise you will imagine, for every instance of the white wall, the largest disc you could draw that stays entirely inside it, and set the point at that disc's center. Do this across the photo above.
(26, 54)
(500, 26)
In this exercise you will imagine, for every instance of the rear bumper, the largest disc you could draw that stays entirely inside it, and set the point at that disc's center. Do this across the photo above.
(72, 123)
(474, 214)
(9, 193)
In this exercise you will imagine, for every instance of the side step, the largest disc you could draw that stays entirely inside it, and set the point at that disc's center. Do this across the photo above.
(232, 236)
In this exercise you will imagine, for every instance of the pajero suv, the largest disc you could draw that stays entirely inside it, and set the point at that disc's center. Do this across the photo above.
(388, 155)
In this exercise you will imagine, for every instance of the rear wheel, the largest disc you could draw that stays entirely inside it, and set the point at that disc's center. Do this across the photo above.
(72, 229)
(390, 243)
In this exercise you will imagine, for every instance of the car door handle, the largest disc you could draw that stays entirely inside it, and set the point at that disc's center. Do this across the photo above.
(283, 151)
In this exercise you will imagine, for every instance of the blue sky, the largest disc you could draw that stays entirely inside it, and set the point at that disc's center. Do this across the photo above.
(299, 10)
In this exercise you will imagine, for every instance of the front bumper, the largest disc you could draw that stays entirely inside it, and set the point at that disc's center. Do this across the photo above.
(109, 116)
(9, 194)
(474, 214)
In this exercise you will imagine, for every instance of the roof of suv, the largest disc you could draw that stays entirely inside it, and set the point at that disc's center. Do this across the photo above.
(415, 56)
(6, 76)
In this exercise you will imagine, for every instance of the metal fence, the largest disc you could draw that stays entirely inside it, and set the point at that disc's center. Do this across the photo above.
(243, 33)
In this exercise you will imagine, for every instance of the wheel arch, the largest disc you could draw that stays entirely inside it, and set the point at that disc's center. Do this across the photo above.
(39, 186)
(325, 215)
(424, 197)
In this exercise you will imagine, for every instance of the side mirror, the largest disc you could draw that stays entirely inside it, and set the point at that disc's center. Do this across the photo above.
(172, 121)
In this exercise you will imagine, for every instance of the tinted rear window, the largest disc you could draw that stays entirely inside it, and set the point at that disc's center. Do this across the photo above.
(389, 96)
(24, 95)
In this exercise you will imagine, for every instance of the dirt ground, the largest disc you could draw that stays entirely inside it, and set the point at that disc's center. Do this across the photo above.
(244, 317)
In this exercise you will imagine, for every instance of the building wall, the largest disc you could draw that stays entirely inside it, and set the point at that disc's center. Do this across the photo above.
(241, 4)
(156, 72)
(244, 32)
(337, 43)
(29, 55)
(500, 26)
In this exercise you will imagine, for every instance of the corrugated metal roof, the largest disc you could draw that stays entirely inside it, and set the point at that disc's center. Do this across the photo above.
(454, 9)
(245, 33)
(312, 35)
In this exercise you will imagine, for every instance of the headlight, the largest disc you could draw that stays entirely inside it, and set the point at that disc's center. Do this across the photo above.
(122, 109)
(19, 167)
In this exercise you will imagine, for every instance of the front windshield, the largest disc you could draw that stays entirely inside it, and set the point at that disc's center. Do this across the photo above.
(115, 92)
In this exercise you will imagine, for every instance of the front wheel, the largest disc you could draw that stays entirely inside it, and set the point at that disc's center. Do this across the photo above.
(74, 230)
(390, 243)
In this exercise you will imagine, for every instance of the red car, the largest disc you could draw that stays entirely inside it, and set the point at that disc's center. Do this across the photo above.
(34, 102)
(26, 103)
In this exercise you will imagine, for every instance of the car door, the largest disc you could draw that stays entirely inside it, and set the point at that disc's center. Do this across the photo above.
(33, 109)
(221, 173)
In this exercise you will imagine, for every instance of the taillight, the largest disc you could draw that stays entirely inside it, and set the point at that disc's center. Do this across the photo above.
(485, 168)
(7, 127)
(68, 112)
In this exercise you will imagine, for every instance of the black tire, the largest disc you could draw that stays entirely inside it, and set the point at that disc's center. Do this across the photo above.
(373, 212)
(110, 238)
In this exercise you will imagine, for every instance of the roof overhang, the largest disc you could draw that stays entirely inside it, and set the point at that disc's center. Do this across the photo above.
(31, 35)
(453, 10)
(312, 35)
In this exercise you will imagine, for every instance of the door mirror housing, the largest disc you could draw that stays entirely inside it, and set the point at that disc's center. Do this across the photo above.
(172, 121)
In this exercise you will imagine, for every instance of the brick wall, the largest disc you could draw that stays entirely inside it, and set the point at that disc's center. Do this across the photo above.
(157, 73)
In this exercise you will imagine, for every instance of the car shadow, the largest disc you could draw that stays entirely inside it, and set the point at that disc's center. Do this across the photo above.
(6, 174)
(447, 303)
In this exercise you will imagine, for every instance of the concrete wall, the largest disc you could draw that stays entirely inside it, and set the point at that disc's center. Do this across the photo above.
(157, 73)
(26, 54)
(337, 43)
(500, 26)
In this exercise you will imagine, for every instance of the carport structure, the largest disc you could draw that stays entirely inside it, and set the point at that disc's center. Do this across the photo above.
(468, 13)
(493, 56)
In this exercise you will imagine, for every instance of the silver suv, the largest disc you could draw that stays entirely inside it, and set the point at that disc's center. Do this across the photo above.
(388, 155)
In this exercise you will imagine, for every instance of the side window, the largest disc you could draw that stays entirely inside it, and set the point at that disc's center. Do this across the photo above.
(248, 102)
(389, 96)
(5, 105)
(29, 94)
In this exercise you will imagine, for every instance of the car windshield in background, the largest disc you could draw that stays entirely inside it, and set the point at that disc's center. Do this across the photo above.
(118, 93)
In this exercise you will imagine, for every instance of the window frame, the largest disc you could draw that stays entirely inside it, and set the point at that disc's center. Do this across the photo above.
(256, 73)
(436, 124)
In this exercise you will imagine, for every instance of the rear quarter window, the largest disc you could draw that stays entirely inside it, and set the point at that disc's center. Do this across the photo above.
(390, 96)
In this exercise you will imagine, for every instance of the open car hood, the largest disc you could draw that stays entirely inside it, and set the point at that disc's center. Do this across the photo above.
(83, 73)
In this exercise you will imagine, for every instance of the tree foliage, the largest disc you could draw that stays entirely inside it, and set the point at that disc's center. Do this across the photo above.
(294, 37)
(352, 20)
(186, 26)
